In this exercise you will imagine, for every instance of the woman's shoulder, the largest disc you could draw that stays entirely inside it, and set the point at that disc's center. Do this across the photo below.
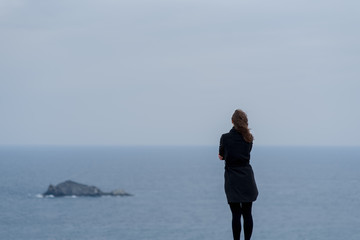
(226, 135)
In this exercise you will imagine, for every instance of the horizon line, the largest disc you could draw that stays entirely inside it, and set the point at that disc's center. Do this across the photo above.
(167, 145)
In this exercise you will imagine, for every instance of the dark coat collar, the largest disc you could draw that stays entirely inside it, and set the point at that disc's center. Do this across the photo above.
(233, 130)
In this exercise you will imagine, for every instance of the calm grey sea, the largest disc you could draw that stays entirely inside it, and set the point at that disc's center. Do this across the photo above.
(305, 193)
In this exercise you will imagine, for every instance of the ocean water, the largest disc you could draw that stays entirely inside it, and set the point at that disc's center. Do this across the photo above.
(305, 193)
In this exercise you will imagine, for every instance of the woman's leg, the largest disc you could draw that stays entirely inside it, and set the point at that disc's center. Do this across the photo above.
(236, 215)
(248, 220)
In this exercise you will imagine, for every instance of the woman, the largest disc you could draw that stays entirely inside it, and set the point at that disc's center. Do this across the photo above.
(240, 186)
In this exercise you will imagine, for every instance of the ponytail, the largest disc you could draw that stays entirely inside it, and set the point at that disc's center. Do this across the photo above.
(240, 121)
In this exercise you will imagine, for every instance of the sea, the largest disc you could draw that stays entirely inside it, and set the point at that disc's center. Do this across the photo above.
(305, 193)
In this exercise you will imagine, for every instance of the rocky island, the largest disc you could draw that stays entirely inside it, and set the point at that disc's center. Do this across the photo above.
(71, 188)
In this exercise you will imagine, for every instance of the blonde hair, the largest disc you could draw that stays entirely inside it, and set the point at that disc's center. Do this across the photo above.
(240, 121)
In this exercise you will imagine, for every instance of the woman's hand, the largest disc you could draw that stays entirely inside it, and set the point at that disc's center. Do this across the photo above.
(221, 157)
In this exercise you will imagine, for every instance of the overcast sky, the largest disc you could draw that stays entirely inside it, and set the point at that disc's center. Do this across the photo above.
(160, 72)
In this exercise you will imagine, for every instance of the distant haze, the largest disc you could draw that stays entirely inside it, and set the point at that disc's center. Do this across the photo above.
(172, 72)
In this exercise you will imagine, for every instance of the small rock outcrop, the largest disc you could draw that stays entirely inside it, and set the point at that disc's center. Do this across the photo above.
(71, 188)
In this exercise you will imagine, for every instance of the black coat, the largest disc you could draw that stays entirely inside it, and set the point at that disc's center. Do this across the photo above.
(240, 185)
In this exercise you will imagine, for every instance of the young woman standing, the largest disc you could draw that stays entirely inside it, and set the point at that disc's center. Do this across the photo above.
(240, 186)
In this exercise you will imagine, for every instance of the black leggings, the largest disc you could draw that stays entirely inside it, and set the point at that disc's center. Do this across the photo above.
(244, 209)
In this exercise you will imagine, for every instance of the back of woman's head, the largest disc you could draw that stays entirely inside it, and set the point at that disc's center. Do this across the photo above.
(240, 121)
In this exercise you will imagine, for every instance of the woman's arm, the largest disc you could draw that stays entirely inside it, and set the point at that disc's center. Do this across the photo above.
(221, 149)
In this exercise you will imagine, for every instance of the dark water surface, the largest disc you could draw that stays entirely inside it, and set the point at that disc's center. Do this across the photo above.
(305, 193)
